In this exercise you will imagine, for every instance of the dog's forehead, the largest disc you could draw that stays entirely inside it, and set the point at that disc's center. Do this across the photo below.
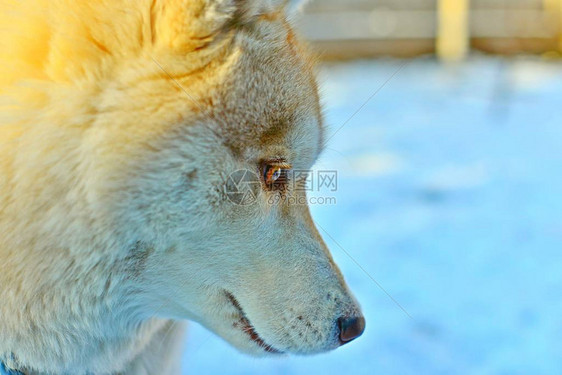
(269, 105)
(299, 142)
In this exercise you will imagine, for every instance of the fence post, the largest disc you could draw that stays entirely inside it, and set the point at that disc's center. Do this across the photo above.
(554, 9)
(453, 30)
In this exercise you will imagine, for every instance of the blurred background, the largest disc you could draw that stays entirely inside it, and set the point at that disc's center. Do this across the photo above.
(446, 133)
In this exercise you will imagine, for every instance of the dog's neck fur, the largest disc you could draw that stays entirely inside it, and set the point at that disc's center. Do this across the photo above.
(155, 349)
(54, 332)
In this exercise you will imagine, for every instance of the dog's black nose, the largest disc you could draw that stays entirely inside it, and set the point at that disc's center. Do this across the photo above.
(350, 328)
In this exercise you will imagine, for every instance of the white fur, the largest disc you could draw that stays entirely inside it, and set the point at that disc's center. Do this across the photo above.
(114, 223)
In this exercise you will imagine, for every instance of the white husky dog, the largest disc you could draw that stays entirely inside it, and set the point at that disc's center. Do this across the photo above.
(121, 125)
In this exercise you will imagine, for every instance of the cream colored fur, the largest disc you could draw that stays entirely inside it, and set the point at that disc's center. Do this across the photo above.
(119, 123)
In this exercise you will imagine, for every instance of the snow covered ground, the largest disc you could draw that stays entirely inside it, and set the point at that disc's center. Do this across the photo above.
(450, 197)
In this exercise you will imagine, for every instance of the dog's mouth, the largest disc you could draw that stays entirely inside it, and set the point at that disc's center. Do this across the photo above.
(245, 326)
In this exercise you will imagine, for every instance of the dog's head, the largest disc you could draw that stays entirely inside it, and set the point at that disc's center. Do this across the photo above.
(199, 135)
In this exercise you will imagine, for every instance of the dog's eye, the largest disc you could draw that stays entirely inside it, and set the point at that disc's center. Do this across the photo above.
(275, 175)
(272, 174)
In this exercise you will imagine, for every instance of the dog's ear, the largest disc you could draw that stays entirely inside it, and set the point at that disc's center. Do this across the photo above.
(185, 24)
(296, 6)
(249, 9)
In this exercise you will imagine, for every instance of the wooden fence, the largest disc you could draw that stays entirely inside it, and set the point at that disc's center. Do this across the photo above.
(449, 28)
